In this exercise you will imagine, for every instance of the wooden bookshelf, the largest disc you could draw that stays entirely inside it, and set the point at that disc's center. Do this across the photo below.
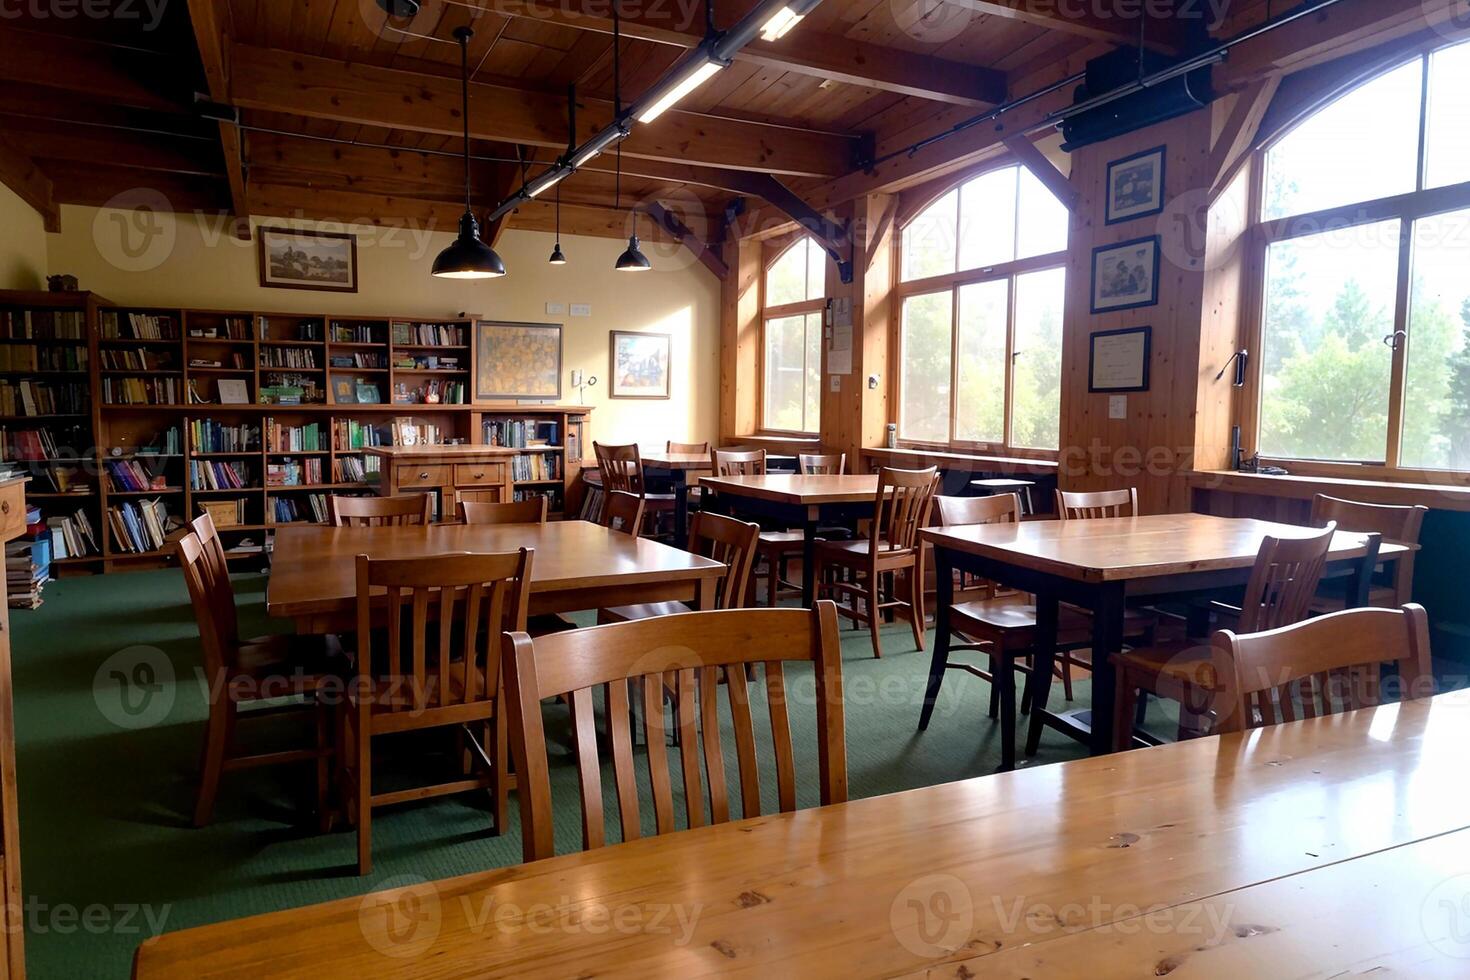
(198, 349)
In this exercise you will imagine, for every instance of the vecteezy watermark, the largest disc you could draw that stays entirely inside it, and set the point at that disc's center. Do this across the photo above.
(402, 919)
(1451, 18)
(932, 21)
(932, 916)
(1445, 917)
(148, 12)
(1207, 923)
(134, 688)
(63, 919)
(134, 230)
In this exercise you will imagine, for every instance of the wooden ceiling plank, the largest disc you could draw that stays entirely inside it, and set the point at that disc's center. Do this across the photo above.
(211, 20)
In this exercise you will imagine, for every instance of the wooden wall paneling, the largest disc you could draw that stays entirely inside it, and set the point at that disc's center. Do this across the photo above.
(740, 340)
(1227, 261)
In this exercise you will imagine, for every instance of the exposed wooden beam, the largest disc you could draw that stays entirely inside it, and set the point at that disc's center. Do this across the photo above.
(1112, 21)
(120, 76)
(1042, 169)
(88, 144)
(803, 51)
(672, 224)
(1237, 136)
(322, 88)
(833, 237)
(212, 31)
(96, 185)
(503, 182)
(22, 175)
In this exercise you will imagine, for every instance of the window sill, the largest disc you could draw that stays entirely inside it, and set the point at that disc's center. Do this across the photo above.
(977, 462)
(1446, 496)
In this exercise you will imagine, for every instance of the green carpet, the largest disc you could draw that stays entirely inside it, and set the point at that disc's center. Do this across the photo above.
(108, 755)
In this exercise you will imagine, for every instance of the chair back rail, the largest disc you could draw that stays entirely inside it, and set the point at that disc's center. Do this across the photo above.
(731, 542)
(738, 462)
(622, 511)
(1072, 506)
(1398, 525)
(621, 468)
(689, 448)
(213, 604)
(901, 508)
(1002, 508)
(216, 573)
(411, 508)
(1284, 580)
(699, 655)
(531, 511)
(819, 463)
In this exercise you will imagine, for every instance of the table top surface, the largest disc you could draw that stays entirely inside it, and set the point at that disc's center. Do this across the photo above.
(1121, 548)
(446, 452)
(1100, 861)
(314, 568)
(798, 488)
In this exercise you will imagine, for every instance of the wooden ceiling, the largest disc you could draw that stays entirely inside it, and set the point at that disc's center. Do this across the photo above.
(350, 116)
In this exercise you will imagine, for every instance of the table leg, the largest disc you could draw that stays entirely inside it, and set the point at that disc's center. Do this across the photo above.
(1107, 636)
(681, 508)
(943, 599)
(1003, 673)
(1042, 663)
(1361, 582)
(809, 558)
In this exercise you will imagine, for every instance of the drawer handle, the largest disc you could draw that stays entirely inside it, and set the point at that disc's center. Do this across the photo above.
(424, 475)
(4, 506)
(478, 476)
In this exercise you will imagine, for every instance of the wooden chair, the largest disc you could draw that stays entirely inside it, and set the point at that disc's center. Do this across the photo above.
(241, 672)
(705, 652)
(453, 608)
(900, 508)
(695, 494)
(990, 487)
(621, 468)
(214, 548)
(723, 539)
(1103, 503)
(1319, 667)
(531, 511)
(1279, 593)
(591, 495)
(738, 462)
(774, 548)
(1397, 525)
(412, 508)
(817, 463)
(622, 511)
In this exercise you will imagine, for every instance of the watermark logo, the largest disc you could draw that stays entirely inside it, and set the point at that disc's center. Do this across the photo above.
(131, 232)
(1450, 18)
(148, 13)
(134, 688)
(932, 21)
(1445, 917)
(403, 918)
(1191, 220)
(933, 916)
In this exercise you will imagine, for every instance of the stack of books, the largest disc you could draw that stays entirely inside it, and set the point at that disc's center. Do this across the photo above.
(43, 324)
(72, 537)
(29, 357)
(292, 438)
(210, 436)
(141, 391)
(535, 466)
(428, 334)
(291, 510)
(294, 473)
(520, 433)
(132, 476)
(139, 326)
(214, 474)
(141, 527)
(27, 569)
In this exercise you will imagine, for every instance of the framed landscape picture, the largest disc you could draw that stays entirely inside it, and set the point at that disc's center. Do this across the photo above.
(1136, 186)
(640, 364)
(517, 360)
(1125, 276)
(308, 259)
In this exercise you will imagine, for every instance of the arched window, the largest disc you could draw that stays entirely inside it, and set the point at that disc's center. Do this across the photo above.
(1365, 223)
(793, 293)
(983, 281)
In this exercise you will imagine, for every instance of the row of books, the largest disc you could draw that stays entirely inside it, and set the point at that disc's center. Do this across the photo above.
(27, 569)
(428, 334)
(43, 398)
(553, 497)
(43, 324)
(133, 475)
(168, 442)
(31, 357)
(535, 466)
(434, 392)
(293, 438)
(212, 436)
(230, 328)
(355, 469)
(18, 445)
(138, 326)
(137, 360)
(141, 526)
(294, 473)
(294, 509)
(352, 434)
(291, 389)
(359, 359)
(72, 536)
(60, 479)
(520, 433)
(287, 357)
(352, 333)
(141, 391)
(216, 474)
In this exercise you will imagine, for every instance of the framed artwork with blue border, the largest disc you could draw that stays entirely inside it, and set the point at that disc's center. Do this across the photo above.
(1136, 186)
(1125, 276)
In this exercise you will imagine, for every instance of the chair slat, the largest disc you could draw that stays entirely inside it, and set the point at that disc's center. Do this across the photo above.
(714, 756)
(657, 755)
(620, 734)
(473, 635)
(781, 735)
(689, 748)
(420, 648)
(445, 621)
(744, 727)
(589, 772)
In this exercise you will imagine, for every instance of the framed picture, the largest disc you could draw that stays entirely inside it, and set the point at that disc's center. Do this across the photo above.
(1136, 186)
(367, 393)
(233, 391)
(640, 364)
(517, 360)
(1125, 276)
(308, 259)
(1118, 360)
(344, 391)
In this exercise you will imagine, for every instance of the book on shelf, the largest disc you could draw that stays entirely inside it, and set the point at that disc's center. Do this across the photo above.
(287, 357)
(141, 391)
(138, 326)
(281, 438)
(352, 333)
(211, 436)
(230, 328)
(411, 432)
(294, 473)
(434, 392)
(27, 569)
(114, 359)
(218, 474)
(358, 359)
(33, 357)
(299, 508)
(142, 526)
(535, 466)
(40, 443)
(520, 433)
(284, 388)
(352, 434)
(43, 324)
(166, 442)
(428, 334)
(137, 474)
(43, 398)
(72, 536)
(356, 469)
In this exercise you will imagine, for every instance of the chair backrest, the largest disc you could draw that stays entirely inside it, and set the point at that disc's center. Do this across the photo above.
(1284, 580)
(217, 569)
(702, 653)
(1320, 666)
(738, 462)
(481, 596)
(1103, 503)
(1000, 508)
(818, 463)
(690, 448)
(623, 511)
(732, 542)
(621, 467)
(1398, 525)
(412, 508)
(901, 508)
(214, 608)
(529, 511)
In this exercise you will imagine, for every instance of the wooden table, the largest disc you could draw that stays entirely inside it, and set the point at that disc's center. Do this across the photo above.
(578, 565)
(677, 468)
(797, 500)
(1100, 565)
(1312, 845)
(446, 470)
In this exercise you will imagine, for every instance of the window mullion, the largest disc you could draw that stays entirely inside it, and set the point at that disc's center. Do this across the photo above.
(1396, 383)
(1010, 363)
(954, 364)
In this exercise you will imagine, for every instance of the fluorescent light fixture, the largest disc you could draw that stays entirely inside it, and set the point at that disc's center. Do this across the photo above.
(780, 24)
(697, 75)
(546, 181)
(595, 146)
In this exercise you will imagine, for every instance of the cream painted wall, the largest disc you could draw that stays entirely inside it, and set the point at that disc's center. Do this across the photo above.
(138, 258)
(23, 244)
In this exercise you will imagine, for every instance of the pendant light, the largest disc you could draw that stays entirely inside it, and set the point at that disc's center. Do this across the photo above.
(632, 259)
(468, 257)
(557, 258)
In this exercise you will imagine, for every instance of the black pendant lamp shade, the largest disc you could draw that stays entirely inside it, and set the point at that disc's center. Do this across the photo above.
(557, 258)
(468, 257)
(633, 259)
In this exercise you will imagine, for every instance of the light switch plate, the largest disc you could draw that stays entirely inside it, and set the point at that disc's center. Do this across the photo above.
(581, 309)
(1118, 406)
(836, 382)
(556, 309)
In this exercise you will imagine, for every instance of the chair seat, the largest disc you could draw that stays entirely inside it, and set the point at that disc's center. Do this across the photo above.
(858, 548)
(792, 540)
(1015, 615)
(643, 610)
(1165, 669)
(1330, 600)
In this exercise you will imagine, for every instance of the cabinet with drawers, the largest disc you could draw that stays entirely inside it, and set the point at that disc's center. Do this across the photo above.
(475, 472)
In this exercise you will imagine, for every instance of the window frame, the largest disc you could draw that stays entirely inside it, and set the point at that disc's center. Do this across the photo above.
(1008, 272)
(781, 311)
(1262, 233)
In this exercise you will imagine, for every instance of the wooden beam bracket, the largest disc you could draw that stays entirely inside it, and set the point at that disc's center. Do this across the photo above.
(832, 236)
(681, 232)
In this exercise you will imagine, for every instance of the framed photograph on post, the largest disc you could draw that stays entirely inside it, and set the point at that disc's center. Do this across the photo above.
(640, 364)
(517, 360)
(1125, 276)
(1136, 186)
(1117, 360)
(307, 259)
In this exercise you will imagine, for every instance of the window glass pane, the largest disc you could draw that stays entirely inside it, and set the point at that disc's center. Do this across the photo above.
(1362, 147)
(811, 422)
(1043, 220)
(980, 398)
(1447, 147)
(1036, 385)
(786, 373)
(787, 277)
(988, 219)
(928, 241)
(1325, 372)
(924, 381)
(1436, 429)
(816, 270)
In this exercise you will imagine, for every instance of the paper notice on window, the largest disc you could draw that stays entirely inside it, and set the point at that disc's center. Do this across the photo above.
(839, 353)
